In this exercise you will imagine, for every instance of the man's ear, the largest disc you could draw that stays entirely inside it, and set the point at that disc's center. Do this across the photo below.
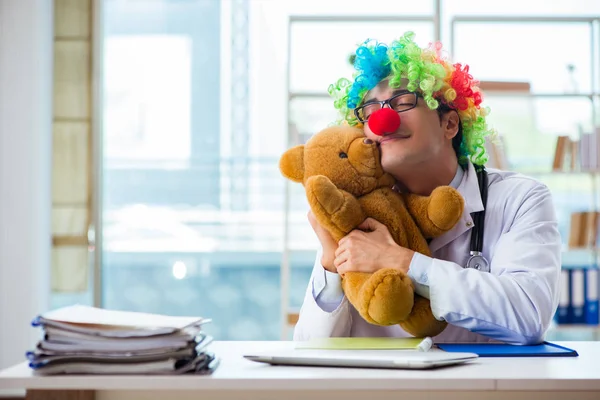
(450, 123)
(291, 163)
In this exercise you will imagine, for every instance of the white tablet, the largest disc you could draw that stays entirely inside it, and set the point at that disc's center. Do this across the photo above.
(362, 359)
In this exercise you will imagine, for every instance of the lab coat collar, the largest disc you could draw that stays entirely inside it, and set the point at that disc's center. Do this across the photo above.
(469, 190)
(458, 177)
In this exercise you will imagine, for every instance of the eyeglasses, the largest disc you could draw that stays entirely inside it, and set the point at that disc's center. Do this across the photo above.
(400, 102)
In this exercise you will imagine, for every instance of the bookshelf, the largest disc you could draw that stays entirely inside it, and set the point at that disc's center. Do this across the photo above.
(571, 172)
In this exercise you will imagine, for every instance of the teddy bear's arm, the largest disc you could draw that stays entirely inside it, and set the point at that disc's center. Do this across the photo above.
(437, 213)
(336, 210)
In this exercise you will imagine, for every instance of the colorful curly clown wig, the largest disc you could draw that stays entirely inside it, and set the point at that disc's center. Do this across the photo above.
(443, 85)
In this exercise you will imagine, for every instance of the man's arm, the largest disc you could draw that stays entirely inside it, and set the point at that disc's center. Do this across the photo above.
(326, 288)
(325, 311)
(514, 303)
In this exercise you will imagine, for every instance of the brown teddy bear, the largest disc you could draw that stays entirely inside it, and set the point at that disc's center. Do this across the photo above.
(345, 183)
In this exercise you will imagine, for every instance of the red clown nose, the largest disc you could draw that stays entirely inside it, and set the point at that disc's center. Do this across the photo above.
(384, 120)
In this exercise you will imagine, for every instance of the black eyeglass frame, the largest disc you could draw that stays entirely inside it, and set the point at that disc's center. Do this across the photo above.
(387, 102)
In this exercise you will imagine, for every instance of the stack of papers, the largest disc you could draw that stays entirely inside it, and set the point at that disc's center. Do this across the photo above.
(88, 340)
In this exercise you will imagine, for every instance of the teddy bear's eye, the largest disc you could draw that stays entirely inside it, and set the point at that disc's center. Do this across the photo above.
(343, 155)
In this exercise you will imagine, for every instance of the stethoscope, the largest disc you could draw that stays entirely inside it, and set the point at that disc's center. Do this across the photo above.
(477, 260)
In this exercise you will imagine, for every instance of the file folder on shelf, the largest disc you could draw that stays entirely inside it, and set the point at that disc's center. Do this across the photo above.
(578, 295)
(545, 349)
(579, 303)
(563, 313)
(592, 316)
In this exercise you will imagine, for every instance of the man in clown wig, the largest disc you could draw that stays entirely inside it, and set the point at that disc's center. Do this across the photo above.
(494, 277)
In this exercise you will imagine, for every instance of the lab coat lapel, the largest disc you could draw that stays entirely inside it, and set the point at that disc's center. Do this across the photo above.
(469, 189)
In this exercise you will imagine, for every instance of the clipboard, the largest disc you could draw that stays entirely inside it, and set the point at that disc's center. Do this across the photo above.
(544, 349)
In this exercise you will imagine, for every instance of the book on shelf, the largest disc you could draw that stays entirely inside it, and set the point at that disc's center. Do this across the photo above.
(590, 148)
(577, 154)
(583, 232)
(566, 154)
(87, 340)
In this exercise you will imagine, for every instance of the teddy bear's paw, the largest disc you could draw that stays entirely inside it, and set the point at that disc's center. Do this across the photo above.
(445, 207)
(337, 210)
(383, 298)
(421, 322)
(323, 194)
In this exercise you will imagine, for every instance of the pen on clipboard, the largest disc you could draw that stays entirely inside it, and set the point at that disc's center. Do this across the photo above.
(426, 344)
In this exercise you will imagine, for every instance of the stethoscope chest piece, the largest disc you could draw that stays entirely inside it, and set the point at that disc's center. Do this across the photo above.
(477, 261)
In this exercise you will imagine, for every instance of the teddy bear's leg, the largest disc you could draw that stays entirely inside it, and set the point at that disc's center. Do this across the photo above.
(336, 210)
(383, 298)
(437, 213)
(421, 322)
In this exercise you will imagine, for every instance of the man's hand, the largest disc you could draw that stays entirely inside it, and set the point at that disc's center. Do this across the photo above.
(370, 249)
(328, 244)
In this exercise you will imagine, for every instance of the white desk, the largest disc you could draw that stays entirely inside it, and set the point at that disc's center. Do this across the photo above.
(237, 378)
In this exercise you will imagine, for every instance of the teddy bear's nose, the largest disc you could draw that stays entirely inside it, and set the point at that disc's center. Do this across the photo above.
(367, 141)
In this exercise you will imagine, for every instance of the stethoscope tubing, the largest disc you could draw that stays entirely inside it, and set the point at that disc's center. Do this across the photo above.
(476, 259)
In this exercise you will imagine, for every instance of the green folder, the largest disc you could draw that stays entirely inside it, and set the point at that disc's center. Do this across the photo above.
(360, 343)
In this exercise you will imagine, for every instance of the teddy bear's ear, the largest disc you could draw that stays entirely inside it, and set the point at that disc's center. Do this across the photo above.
(291, 163)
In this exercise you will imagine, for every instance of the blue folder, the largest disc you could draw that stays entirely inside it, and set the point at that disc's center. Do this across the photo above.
(545, 349)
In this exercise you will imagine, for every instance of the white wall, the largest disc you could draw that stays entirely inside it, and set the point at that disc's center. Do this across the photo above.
(26, 53)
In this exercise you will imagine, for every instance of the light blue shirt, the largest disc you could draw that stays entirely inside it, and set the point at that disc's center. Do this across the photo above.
(327, 286)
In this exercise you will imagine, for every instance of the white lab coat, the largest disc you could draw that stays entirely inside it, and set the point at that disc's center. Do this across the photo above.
(514, 303)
